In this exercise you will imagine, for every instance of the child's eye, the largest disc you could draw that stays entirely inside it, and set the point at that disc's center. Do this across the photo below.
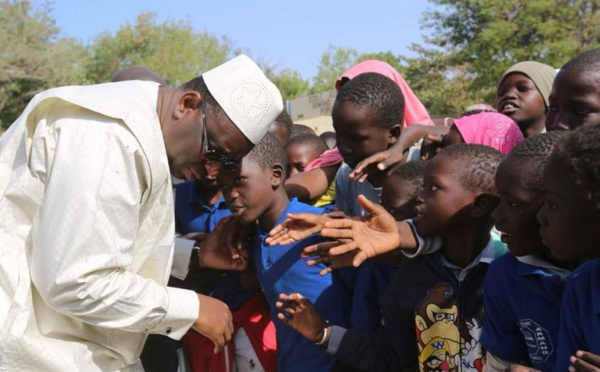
(223, 187)
(238, 180)
(434, 188)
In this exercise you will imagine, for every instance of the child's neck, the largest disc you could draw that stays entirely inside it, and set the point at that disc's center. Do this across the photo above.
(278, 205)
(533, 127)
(462, 245)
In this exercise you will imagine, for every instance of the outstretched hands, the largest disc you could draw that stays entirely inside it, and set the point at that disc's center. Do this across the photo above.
(357, 239)
(298, 312)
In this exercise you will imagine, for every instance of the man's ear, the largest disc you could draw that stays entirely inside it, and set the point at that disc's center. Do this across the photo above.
(277, 175)
(190, 100)
(394, 134)
(484, 204)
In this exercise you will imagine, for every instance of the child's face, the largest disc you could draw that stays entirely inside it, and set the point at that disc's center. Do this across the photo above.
(574, 101)
(397, 197)
(515, 215)
(570, 221)
(357, 134)
(299, 156)
(247, 193)
(519, 99)
(443, 202)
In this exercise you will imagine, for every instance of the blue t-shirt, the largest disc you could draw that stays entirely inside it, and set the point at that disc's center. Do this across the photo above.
(368, 282)
(192, 214)
(280, 269)
(521, 307)
(580, 314)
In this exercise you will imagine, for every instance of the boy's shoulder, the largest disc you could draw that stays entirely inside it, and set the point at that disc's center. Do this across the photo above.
(296, 206)
(585, 275)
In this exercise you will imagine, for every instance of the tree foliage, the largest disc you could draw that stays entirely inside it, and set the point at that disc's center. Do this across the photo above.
(475, 41)
(172, 49)
(33, 57)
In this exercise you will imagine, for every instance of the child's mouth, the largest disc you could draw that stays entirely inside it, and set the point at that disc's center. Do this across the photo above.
(506, 238)
(509, 108)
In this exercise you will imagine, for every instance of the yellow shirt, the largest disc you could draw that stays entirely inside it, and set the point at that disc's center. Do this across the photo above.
(327, 198)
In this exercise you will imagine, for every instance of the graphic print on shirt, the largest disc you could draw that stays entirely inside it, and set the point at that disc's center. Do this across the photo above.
(439, 337)
(538, 340)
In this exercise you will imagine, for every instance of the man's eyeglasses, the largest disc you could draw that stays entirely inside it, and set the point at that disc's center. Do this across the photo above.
(212, 154)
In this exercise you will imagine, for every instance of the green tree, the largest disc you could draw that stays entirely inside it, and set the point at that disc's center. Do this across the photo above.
(290, 82)
(333, 63)
(34, 58)
(172, 49)
(485, 37)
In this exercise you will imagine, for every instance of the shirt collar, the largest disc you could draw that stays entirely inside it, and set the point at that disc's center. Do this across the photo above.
(536, 265)
(487, 255)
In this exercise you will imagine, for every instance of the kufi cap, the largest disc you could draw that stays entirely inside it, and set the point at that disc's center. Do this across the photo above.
(249, 99)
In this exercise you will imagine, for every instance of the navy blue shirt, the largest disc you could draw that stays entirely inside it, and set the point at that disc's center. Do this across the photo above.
(281, 270)
(580, 314)
(192, 214)
(522, 309)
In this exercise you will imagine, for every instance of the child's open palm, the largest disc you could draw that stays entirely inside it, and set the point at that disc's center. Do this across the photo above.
(299, 313)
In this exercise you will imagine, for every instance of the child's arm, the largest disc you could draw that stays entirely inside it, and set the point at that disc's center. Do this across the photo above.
(391, 348)
(310, 185)
(394, 156)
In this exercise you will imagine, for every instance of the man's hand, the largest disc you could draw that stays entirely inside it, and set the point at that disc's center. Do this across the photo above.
(299, 313)
(214, 321)
(372, 236)
(215, 256)
(236, 235)
(585, 361)
(296, 227)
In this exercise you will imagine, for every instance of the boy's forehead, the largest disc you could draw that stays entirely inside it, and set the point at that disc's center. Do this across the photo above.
(351, 117)
(584, 81)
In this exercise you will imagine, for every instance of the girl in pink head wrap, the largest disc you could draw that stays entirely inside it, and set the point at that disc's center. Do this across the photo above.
(414, 111)
(490, 129)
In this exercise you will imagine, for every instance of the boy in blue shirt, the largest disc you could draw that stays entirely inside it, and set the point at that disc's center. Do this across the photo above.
(256, 193)
(523, 289)
(570, 226)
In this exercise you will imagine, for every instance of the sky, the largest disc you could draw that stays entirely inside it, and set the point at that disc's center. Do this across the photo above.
(290, 34)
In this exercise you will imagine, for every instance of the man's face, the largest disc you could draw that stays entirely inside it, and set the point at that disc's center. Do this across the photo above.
(185, 149)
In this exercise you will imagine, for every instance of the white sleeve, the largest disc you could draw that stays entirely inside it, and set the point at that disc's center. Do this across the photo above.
(84, 233)
(181, 257)
(427, 245)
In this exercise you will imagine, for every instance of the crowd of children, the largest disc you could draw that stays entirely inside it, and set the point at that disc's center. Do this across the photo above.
(463, 246)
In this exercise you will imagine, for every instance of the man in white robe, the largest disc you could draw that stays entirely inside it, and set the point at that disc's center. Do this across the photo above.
(86, 214)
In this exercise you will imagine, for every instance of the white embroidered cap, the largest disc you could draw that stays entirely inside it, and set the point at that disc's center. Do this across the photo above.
(251, 101)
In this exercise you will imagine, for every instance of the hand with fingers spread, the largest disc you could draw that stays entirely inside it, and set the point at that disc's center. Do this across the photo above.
(585, 361)
(236, 235)
(319, 254)
(298, 312)
(214, 321)
(296, 227)
(373, 235)
(214, 255)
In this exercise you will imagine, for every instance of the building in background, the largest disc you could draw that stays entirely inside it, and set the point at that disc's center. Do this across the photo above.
(313, 111)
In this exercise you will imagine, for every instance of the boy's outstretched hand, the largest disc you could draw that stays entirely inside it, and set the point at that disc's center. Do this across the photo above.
(299, 313)
(373, 235)
(585, 361)
(296, 227)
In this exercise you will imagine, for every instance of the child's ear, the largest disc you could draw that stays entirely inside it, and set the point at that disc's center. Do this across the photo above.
(394, 134)
(277, 175)
(484, 205)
